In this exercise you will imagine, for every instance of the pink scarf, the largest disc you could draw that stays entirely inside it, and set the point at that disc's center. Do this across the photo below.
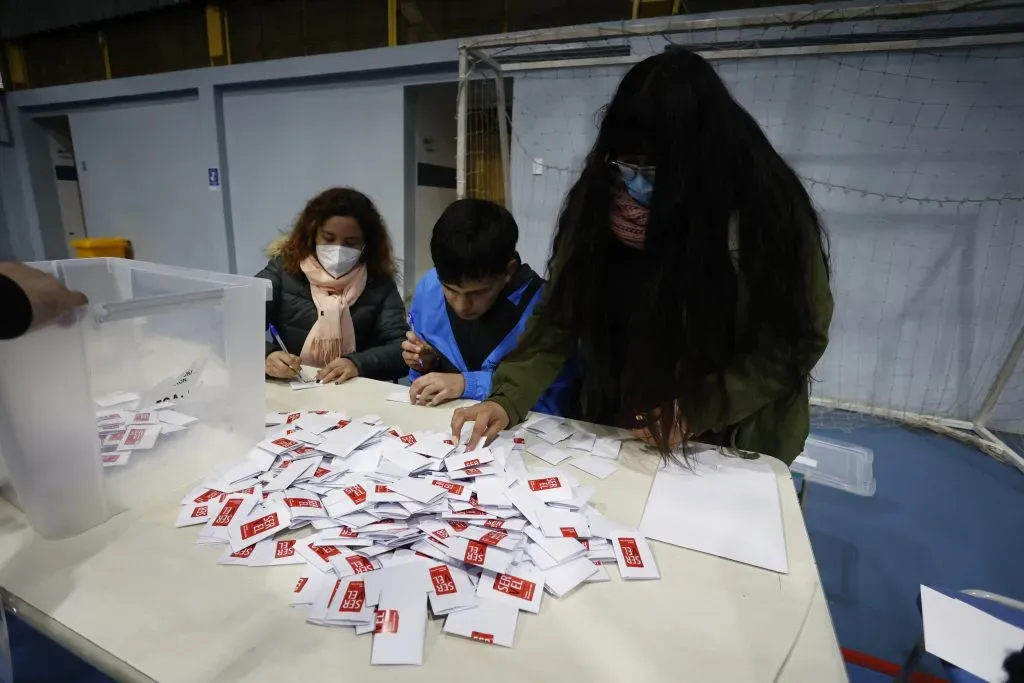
(332, 336)
(629, 220)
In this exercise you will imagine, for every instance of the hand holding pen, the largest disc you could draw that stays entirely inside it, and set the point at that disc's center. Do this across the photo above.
(282, 364)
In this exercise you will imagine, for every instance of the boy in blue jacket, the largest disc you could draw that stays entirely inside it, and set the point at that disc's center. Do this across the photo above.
(469, 310)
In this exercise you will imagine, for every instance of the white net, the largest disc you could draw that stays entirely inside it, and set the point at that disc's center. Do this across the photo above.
(912, 156)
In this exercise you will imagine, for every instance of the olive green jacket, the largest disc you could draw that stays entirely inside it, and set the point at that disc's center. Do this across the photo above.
(758, 407)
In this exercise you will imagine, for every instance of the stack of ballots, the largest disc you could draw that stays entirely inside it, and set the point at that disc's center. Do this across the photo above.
(393, 524)
(124, 430)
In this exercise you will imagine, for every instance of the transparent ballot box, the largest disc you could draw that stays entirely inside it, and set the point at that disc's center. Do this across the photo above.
(841, 465)
(83, 393)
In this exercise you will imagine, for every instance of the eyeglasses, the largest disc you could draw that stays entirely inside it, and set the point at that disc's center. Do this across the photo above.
(629, 172)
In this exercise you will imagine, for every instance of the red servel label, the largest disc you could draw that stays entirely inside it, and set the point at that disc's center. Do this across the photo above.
(631, 553)
(320, 472)
(515, 586)
(244, 552)
(568, 532)
(473, 463)
(325, 552)
(450, 487)
(459, 526)
(381, 488)
(441, 534)
(227, 512)
(114, 458)
(442, 580)
(544, 484)
(285, 443)
(300, 584)
(258, 526)
(357, 494)
(346, 532)
(482, 637)
(303, 503)
(201, 511)
(475, 553)
(284, 549)
(359, 564)
(495, 524)
(473, 470)
(387, 621)
(408, 439)
(493, 537)
(354, 598)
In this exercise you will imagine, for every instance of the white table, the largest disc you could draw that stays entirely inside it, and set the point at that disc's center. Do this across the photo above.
(138, 599)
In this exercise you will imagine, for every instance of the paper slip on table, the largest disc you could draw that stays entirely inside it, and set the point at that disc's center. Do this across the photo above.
(141, 601)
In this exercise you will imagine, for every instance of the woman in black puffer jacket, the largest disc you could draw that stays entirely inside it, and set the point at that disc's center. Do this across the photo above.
(335, 296)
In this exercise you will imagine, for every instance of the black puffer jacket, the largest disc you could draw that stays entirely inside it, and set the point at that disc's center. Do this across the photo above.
(378, 317)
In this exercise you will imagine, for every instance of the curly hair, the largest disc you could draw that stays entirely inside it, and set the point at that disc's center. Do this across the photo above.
(344, 202)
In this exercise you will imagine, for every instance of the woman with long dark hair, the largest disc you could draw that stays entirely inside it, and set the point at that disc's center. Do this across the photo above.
(689, 271)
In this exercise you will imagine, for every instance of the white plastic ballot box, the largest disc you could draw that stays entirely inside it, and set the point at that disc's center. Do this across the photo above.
(151, 336)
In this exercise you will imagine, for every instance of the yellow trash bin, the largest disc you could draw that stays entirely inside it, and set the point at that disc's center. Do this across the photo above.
(117, 247)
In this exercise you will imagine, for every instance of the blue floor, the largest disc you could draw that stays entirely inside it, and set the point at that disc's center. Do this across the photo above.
(943, 514)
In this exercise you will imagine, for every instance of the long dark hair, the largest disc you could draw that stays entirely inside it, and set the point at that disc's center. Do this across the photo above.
(713, 164)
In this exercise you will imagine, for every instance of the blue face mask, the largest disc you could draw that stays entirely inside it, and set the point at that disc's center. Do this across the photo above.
(639, 182)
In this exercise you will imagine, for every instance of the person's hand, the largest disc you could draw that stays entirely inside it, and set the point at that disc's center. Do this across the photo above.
(418, 354)
(436, 388)
(282, 365)
(48, 298)
(488, 419)
(338, 371)
(676, 437)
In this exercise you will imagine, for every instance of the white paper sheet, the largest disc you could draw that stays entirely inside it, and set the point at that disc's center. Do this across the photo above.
(725, 506)
(966, 636)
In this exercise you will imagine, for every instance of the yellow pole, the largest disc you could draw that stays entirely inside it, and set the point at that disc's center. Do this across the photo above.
(675, 6)
(215, 35)
(16, 65)
(392, 23)
(105, 50)
(636, 9)
(227, 37)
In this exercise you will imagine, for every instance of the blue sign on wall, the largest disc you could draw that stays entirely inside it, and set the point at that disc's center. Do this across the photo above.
(213, 177)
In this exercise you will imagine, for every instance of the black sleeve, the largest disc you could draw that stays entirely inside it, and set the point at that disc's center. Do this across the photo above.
(384, 361)
(272, 272)
(16, 317)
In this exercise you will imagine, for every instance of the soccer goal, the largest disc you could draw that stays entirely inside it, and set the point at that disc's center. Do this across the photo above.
(906, 124)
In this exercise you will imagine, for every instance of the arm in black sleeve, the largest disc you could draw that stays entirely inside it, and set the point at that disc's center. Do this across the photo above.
(16, 316)
(272, 272)
(384, 361)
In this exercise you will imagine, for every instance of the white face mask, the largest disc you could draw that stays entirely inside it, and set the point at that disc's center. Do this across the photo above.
(337, 260)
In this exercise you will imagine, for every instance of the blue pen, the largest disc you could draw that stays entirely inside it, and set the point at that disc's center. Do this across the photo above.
(280, 343)
(413, 330)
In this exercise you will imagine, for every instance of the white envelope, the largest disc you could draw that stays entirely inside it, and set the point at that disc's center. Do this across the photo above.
(477, 554)
(562, 549)
(549, 487)
(262, 524)
(342, 442)
(350, 608)
(601, 468)
(582, 441)
(139, 438)
(400, 628)
(607, 447)
(521, 585)
(454, 490)
(279, 445)
(451, 588)
(634, 557)
(272, 553)
(490, 490)
(303, 505)
(115, 459)
(724, 506)
(316, 556)
(488, 622)
(563, 523)
(420, 490)
(292, 471)
(194, 513)
(347, 500)
(431, 445)
(460, 461)
(317, 424)
(495, 537)
(560, 580)
(306, 589)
